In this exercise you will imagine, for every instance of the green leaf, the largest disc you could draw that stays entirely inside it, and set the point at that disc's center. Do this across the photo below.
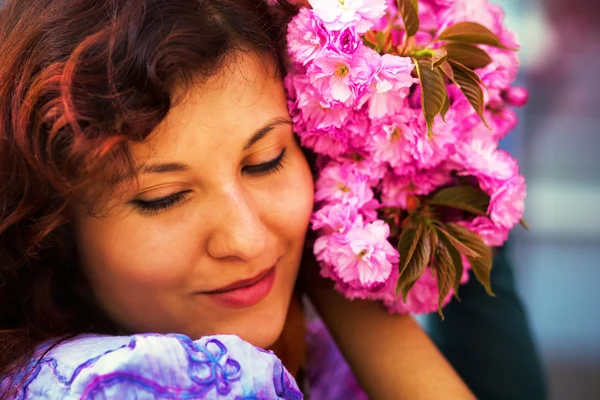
(470, 83)
(380, 40)
(447, 70)
(383, 41)
(433, 91)
(410, 17)
(524, 224)
(388, 44)
(482, 264)
(367, 42)
(457, 263)
(466, 198)
(438, 57)
(445, 274)
(467, 54)
(422, 53)
(472, 33)
(415, 262)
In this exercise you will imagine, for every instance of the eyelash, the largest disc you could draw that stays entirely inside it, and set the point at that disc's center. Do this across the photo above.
(268, 167)
(155, 206)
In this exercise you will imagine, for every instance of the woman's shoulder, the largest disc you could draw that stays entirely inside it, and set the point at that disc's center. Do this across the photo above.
(157, 366)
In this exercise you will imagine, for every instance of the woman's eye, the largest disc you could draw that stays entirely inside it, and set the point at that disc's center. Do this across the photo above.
(266, 168)
(157, 205)
(164, 203)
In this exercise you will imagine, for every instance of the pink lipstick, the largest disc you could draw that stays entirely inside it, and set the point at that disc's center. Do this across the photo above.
(247, 292)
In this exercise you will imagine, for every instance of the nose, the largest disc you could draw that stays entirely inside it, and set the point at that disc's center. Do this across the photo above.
(238, 231)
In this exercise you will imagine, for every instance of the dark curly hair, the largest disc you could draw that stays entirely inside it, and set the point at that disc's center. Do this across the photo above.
(79, 81)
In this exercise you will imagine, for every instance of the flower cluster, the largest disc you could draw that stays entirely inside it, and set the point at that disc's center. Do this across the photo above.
(404, 103)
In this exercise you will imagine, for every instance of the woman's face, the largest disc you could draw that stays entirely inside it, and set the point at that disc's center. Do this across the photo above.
(210, 238)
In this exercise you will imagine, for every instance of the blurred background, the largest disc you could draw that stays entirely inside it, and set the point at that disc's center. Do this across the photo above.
(557, 263)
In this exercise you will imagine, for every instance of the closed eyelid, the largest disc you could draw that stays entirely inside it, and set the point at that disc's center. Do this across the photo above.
(154, 206)
(268, 166)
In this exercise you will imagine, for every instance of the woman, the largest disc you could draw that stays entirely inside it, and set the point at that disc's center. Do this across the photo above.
(154, 206)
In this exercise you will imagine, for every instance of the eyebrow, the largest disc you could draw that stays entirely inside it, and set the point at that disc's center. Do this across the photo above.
(262, 132)
(164, 168)
(257, 136)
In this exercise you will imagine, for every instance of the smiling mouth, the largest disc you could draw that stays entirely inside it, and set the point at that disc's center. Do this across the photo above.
(245, 293)
(242, 283)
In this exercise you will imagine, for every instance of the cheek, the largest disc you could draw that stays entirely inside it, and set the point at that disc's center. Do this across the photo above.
(289, 203)
(132, 254)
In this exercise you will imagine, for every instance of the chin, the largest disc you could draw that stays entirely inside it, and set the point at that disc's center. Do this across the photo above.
(260, 325)
(263, 338)
(264, 326)
(260, 331)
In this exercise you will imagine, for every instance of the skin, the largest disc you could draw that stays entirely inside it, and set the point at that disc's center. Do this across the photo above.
(390, 355)
(148, 270)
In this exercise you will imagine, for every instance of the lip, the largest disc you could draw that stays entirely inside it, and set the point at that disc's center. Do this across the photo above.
(246, 292)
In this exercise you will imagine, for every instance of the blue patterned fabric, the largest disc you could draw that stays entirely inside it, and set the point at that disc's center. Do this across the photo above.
(152, 366)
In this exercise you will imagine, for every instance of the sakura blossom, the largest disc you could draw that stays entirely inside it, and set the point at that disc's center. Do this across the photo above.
(359, 107)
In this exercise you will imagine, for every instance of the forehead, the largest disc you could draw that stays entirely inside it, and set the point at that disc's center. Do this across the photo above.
(218, 115)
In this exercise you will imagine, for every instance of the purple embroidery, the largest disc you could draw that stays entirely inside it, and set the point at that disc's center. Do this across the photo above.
(213, 367)
(284, 387)
(208, 366)
(210, 372)
(53, 365)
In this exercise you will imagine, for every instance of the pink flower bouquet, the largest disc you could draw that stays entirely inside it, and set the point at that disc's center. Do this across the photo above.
(404, 103)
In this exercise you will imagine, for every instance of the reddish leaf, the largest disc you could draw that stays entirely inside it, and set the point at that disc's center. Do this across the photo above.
(415, 4)
(438, 57)
(410, 17)
(456, 262)
(433, 91)
(445, 274)
(447, 70)
(445, 107)
(407, 243)
(470, 83)
(433, 239)
(473, 33)
(415, 266)
(468, 55)
(482, 264)
(467, 198)
(462, 248)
